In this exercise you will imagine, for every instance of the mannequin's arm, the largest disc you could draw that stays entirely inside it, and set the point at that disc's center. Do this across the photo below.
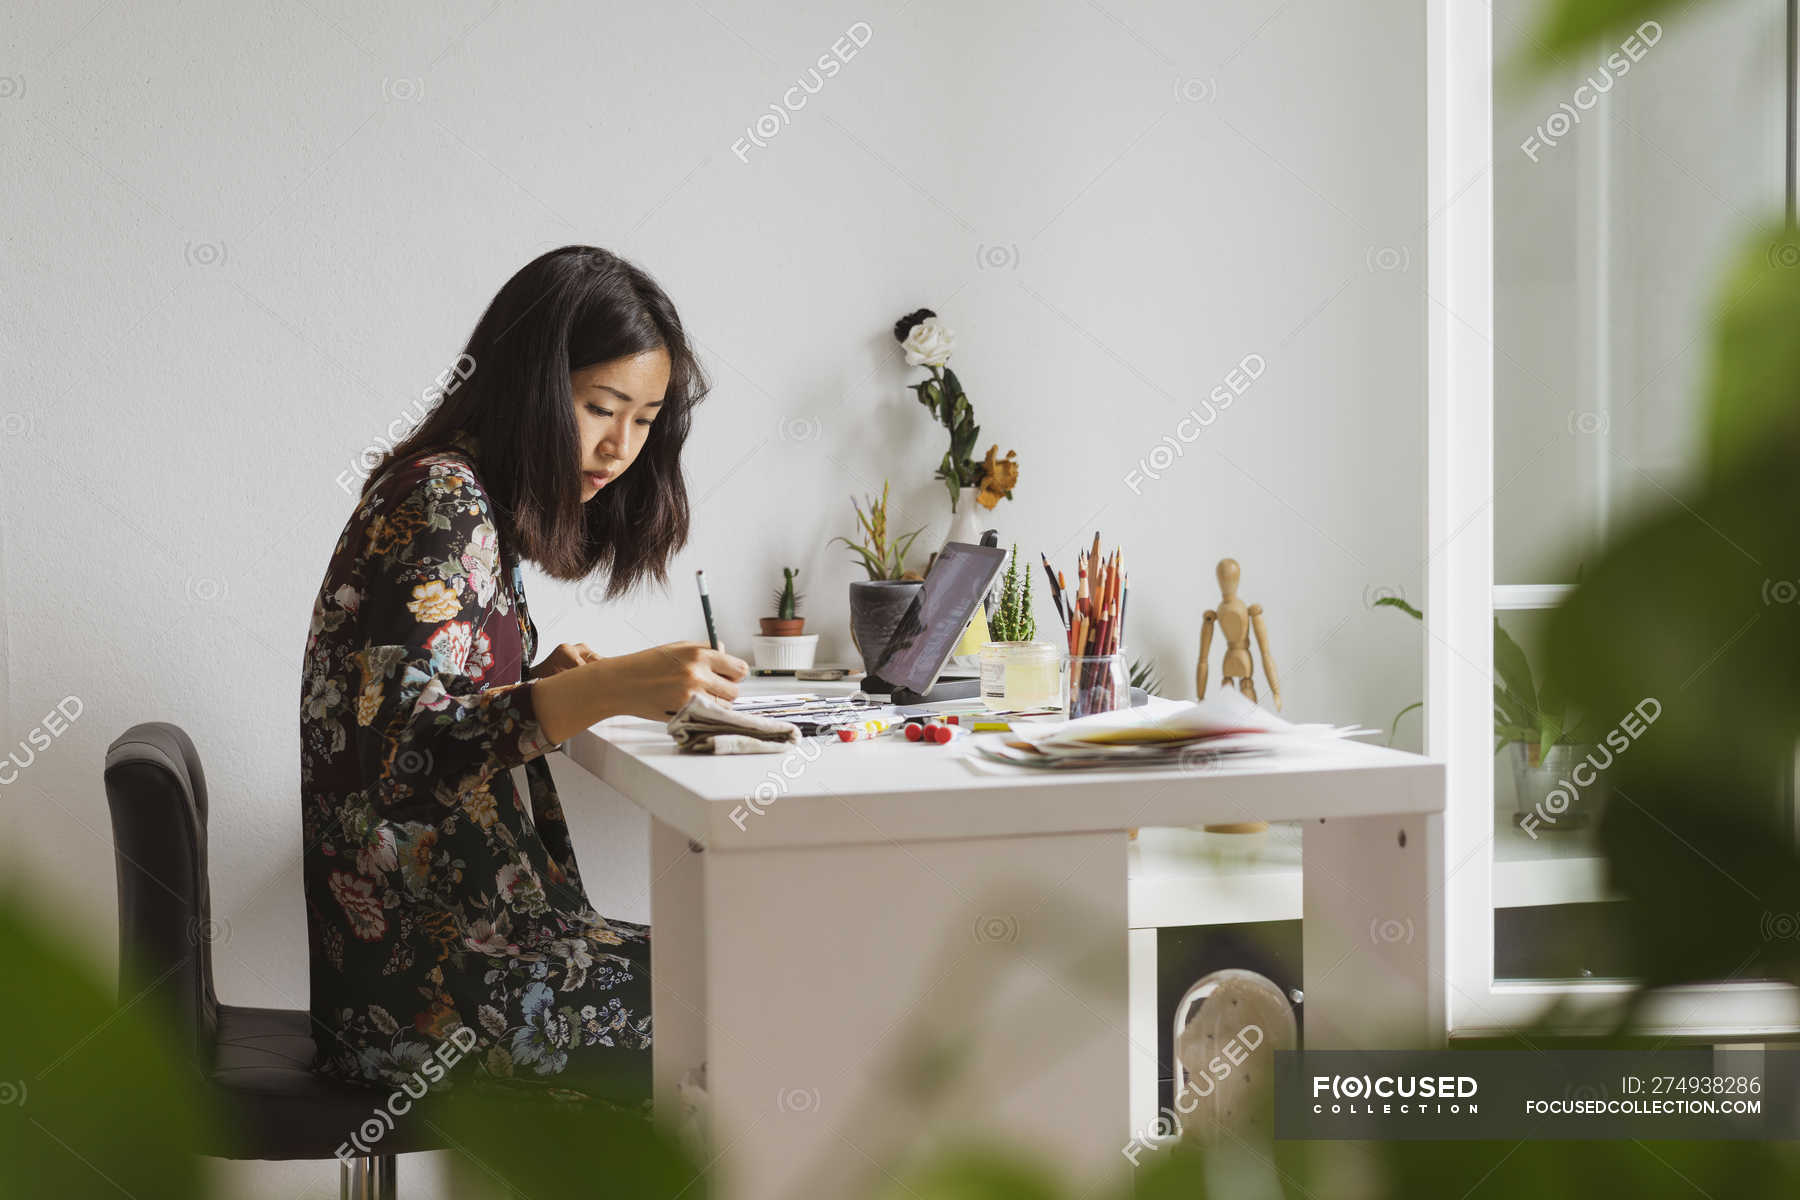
(1206, 632)
(1261, 629)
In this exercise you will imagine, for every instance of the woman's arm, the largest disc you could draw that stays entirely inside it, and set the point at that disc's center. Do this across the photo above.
(652, 683)
(425, 727)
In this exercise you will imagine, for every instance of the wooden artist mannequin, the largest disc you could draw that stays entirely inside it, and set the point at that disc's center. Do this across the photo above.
(1238, 622)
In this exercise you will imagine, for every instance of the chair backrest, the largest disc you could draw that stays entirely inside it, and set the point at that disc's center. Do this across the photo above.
(157, 794)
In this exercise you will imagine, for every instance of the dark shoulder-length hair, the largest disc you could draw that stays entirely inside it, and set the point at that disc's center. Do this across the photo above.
(565, 310)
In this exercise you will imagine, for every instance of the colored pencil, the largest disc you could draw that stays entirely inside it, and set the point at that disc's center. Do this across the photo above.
(1124, 595)
(1107, 605)
(1055, 596)
(1113, 601)
(1093, 605)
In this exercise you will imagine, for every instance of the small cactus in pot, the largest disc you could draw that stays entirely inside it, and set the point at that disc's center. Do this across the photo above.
(787, 621)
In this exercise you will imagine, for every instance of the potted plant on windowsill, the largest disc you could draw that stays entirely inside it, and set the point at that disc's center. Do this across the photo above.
(878, 603)
(1532, 717)
(783, 646)
(1018, 673)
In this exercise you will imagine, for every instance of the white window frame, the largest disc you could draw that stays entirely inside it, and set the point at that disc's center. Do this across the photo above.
(1460, 592)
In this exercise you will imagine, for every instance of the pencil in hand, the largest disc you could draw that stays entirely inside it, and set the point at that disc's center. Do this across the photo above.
(712, 632)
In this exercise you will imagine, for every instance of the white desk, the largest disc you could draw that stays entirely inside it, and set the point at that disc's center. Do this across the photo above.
(823, 916)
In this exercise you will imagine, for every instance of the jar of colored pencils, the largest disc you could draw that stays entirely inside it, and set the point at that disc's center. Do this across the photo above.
(1097, 683)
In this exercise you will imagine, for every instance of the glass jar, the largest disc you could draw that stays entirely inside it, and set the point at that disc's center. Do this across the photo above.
(1021, 676)
(1097, 683)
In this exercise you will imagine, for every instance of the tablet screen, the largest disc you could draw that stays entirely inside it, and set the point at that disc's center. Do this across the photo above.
(933, 624)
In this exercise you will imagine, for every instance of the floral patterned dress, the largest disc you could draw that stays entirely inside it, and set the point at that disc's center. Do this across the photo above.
(436, 901)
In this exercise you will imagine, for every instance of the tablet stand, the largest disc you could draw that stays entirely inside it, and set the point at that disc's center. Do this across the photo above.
(943, 689)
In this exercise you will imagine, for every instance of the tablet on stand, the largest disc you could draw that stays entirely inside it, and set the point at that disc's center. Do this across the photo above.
(908, 669)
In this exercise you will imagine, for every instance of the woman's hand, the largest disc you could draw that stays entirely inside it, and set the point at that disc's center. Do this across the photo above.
(569, 654)
(654, 683)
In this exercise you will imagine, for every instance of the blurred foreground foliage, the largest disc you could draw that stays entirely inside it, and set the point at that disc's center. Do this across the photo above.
(93, 1101)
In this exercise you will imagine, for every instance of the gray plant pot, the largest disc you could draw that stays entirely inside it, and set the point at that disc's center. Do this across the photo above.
(876, 606)
(1550, 790)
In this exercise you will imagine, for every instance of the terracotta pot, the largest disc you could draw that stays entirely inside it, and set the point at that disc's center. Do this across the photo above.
(876, 606)
(781, 626)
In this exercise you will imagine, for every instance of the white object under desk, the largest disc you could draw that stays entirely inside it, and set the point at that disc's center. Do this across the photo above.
(820, 911)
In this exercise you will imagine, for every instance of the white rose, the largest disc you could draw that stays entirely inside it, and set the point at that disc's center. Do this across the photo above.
(929, 343)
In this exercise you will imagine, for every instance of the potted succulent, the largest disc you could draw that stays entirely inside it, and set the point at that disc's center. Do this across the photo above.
(787, 621)
(782, 646)
(878, 603)
(1018, 673)
(1531, 716)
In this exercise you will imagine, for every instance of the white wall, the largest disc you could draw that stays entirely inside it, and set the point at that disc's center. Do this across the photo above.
(241, 238)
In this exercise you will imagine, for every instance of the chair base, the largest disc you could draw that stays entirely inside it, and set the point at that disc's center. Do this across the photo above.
(366, 1177)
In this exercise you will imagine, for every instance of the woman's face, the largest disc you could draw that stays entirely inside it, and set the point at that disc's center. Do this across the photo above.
(615, 403)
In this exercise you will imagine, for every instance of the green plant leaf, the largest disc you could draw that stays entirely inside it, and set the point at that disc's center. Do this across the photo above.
(1755, 358)
(902, 547)
(977, 1172)
(1549, 732)
(1395, 730)
(100, 1099)
(1568, 27)
(1402, 605)
(1027, 620)
(1509, 710)
(1552, 712)
(1144, 675)
(926, 391)
(1515, 672)
(510, 1147)
(874, 566)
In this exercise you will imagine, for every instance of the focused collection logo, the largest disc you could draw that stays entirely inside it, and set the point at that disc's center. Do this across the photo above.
(1401, 1095)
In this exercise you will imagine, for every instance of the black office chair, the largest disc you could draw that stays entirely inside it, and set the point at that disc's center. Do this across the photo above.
(257, 1061)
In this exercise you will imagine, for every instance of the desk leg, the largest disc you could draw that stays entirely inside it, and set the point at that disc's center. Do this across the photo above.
(1146, 1032)
(837, 973)
(1373, 934)
(677, 964)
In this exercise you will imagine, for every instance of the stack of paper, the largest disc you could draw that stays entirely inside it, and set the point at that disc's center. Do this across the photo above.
(813, 714)
(1189, 736)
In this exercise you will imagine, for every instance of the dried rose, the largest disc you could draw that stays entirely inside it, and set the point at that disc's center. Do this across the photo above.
(998, 477)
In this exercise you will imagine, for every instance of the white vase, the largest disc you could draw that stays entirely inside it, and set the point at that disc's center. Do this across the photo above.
(967, 525)
(969, 520)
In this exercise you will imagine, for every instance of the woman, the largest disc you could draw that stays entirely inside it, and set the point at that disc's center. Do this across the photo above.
(445, 919)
